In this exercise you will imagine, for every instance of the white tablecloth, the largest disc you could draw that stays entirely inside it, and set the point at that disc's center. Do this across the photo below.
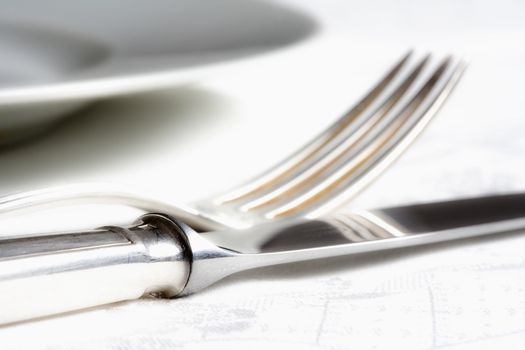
(189, 142)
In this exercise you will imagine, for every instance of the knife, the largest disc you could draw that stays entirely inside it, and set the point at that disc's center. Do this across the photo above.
(43, 275)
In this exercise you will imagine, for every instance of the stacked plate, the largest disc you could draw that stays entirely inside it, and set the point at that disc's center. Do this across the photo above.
(58, 56)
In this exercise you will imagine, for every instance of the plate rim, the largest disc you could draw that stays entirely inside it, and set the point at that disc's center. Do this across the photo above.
(100, 84)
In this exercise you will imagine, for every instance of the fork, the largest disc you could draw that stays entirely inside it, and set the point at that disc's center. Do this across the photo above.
(319, 177)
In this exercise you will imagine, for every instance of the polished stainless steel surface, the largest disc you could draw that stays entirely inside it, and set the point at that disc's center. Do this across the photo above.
(319, 177)
(42, 275)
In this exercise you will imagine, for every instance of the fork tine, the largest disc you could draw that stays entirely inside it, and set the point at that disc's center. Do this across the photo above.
(340, 151)
(305, 154)
(351, 177)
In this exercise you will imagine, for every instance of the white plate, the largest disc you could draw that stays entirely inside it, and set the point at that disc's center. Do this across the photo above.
(58, 55)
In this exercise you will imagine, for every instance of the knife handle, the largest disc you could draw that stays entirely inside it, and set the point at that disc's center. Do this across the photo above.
(48, 274)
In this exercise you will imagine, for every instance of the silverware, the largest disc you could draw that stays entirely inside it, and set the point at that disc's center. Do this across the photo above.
(316, 179)
(43, 275)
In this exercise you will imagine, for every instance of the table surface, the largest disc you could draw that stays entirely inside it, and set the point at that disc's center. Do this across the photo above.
(189, 142)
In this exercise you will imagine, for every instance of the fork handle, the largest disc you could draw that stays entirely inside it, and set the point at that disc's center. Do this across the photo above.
(49, 274)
